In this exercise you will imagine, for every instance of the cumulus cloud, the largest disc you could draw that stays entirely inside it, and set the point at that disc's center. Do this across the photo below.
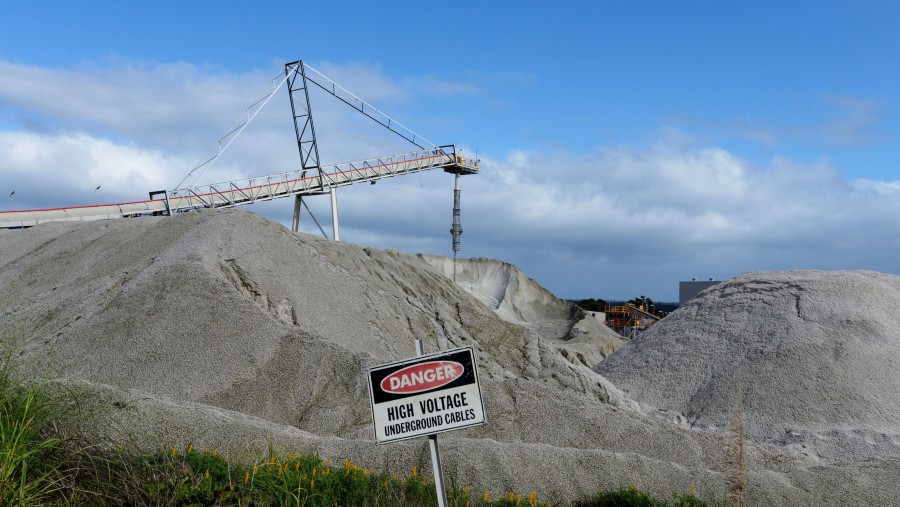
(597, 224)
(179, 110)
(159, 104)
(63, 170)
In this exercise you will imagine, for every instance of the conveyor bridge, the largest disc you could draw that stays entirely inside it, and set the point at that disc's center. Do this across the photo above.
(310, 178)
(252, 190)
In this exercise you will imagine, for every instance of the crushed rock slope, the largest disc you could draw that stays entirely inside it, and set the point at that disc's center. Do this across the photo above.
(225, 329)
(810, 357)
(221, 308)
(516, 298)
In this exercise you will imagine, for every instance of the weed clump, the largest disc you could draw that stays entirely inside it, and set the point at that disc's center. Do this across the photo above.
(31, 468)
(633, 497)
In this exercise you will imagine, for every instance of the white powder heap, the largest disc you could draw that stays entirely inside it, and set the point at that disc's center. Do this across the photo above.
(516, 298)
(811, 358)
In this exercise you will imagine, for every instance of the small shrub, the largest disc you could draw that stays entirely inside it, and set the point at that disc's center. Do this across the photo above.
(625, 497)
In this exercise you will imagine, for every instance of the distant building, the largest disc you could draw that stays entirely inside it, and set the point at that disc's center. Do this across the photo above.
(689, 290)
(601, 316)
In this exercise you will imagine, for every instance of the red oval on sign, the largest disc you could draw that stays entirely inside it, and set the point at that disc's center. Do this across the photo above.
(422, 377)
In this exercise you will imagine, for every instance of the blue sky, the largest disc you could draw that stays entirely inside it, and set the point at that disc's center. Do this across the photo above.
(625, 145)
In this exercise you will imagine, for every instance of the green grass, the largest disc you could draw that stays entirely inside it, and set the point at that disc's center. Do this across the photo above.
(633, 497)
(29, 467)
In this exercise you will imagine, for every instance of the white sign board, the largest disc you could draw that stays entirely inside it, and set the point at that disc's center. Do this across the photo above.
(425, 395)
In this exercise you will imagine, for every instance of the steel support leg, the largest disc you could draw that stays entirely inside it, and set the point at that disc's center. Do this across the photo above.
(456, 230)
(298, 203)
(334, 215)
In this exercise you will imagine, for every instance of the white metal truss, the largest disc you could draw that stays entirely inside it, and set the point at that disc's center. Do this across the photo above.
(280, 185)
(251, 190)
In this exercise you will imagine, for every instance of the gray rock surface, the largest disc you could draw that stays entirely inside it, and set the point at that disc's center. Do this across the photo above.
(516, 298)
(810, 358)
(225, 329)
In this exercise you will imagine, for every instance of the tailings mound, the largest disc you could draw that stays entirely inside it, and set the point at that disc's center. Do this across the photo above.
(225, 329)
(809, 357)
(516, 298)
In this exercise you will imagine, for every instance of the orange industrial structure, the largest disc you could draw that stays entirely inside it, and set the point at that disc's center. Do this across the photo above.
(628, 320)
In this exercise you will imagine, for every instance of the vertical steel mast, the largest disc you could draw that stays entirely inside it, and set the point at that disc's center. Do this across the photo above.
(304, 128)
(305, 131)
(456, 229)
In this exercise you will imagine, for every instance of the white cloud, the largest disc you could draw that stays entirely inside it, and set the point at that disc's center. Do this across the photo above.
(699, 212)
(59, 170)
(838, 120)
(854, 120)
(605, 223)
(440, 86)
(155, 103)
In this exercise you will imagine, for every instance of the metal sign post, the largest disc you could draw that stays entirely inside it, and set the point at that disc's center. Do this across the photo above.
(435, 451)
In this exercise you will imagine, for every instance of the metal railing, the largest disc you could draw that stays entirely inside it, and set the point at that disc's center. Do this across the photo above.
(256, 189)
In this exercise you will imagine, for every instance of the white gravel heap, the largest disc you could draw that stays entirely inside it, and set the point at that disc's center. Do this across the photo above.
(224, 329)
(811, 358)
(516, 298)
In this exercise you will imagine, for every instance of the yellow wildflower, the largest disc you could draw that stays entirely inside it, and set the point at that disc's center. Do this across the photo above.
(247, 477)
(487, 497)
(214, 453)
(174, 452)
(415, 472)
(190, 447)
(312, 483)
(532, 499)
(206, 474)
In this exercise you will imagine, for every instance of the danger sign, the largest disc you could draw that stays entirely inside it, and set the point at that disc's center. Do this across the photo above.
(425, 395)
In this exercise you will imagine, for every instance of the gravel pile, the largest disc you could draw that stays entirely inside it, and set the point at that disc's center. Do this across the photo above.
(225, 329)
(516, 298)
(811, 359)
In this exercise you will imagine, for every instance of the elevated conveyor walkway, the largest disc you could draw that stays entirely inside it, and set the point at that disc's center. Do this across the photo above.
(251, 190)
